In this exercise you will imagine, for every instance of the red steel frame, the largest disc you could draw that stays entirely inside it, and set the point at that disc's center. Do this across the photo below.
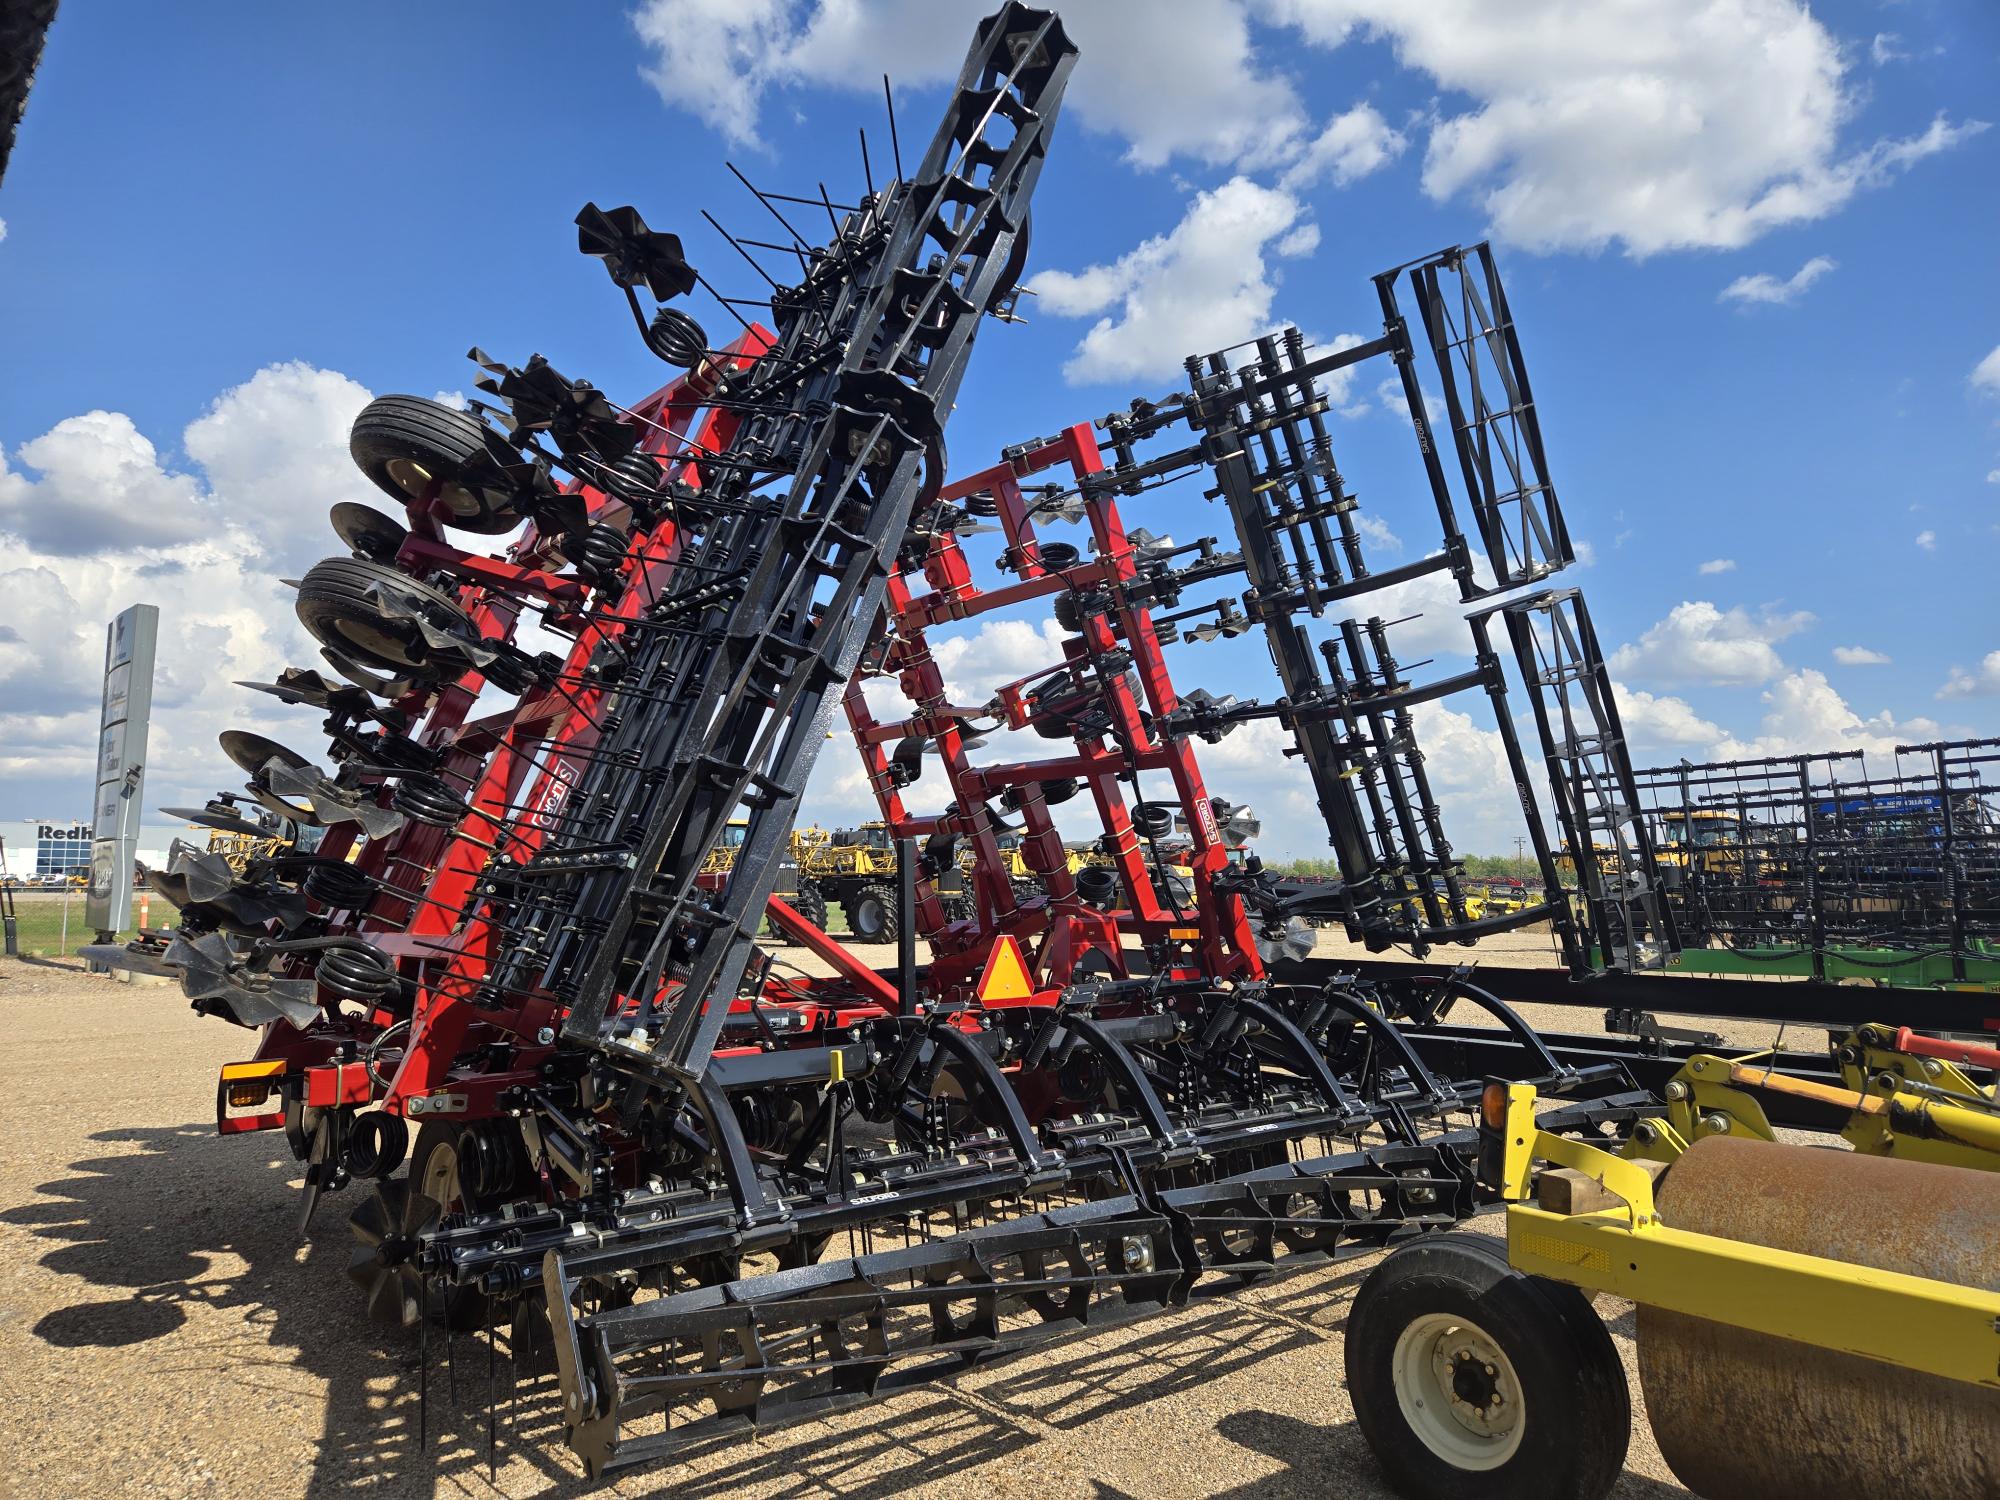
(513, 762)
(1211, 937)
(515, 766)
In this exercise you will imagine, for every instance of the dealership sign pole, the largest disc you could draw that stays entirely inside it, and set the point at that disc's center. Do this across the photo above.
(121, 767)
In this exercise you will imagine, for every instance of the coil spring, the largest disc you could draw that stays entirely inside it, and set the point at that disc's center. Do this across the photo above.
(603, 552)
(1098, 885)
(635, 476)
(424, 799)
(339, 886)
(361, 973)
(768, 1124)
(676, 338)
(487, 1163)
(401, 751)
(376, 1144)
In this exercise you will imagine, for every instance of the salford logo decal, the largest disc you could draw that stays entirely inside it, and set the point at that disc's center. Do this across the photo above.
(1206, 813)
(555, 792)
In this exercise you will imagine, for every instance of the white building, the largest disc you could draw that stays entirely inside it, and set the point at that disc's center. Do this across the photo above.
(46, 846)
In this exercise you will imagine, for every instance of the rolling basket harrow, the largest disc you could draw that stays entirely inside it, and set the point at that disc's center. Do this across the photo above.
(719, 1192)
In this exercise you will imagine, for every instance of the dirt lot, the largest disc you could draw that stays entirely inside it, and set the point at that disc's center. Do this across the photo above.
(163, 1332)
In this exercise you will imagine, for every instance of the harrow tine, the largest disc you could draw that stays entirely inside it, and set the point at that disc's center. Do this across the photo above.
(423, 1367)
(492, 1450)
(308, 1200)
(315, 1161)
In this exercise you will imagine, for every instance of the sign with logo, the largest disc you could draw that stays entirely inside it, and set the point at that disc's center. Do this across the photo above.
(121, 765)
(555, 792)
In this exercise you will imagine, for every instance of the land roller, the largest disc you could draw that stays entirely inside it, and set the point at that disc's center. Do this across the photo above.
(1811, 1319)
(511, 985)
(1741, 1413)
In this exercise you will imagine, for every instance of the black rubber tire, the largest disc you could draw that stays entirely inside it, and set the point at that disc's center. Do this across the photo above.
(1576, 1406)
(808, 903)
(334, 607)
(461, 1308)
(872, 916)
(394, 433)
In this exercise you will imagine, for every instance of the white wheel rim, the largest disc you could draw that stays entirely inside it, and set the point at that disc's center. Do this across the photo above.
(1458, 1392)
(440, 1176)
(366, 638)
(414, 480)
(411, 477)
(461, 501)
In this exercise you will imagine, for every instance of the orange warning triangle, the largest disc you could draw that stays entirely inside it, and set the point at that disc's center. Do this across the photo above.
(1006, 975)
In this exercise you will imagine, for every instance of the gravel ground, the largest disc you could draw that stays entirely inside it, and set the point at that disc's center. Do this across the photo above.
(164, 1332)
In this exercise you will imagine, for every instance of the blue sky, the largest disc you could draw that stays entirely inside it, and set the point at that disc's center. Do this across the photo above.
(227, 224)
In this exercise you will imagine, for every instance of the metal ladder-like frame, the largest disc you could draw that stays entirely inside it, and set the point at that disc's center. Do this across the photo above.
(723, 704)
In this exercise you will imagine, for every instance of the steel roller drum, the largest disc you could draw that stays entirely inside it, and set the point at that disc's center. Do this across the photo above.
(1739, 1414)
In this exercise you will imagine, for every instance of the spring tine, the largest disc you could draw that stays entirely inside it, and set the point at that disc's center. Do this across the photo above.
(423, 1366)
(514, 1374)
(451, 1362)
(492, 1451)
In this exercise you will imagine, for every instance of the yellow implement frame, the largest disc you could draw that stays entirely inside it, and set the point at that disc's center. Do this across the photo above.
(1908, 1321)
(239, 849)
(1913, 1108)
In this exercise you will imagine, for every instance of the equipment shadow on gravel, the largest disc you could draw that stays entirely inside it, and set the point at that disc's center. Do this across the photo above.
(1311, 1452)
(1156, 1358)
(173, 1221)
(169, 1223)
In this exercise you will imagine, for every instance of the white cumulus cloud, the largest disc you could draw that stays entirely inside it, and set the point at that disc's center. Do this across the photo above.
(1804, 715)
(274, 451)
(1717, 565)
(1697, 642)
(1764, 287)
(1982, 681)
(1661, 722)
(1927, 540)
(1651, 124)
(1352, 145)
(101, 486)
(1859, 656)
(1202, 285)
(1176, 78)
(1986, 374)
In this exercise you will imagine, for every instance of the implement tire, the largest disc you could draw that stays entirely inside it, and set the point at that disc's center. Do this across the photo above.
(410, 446)
(336, 604)
(440, 1168)
(1474, 1381)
